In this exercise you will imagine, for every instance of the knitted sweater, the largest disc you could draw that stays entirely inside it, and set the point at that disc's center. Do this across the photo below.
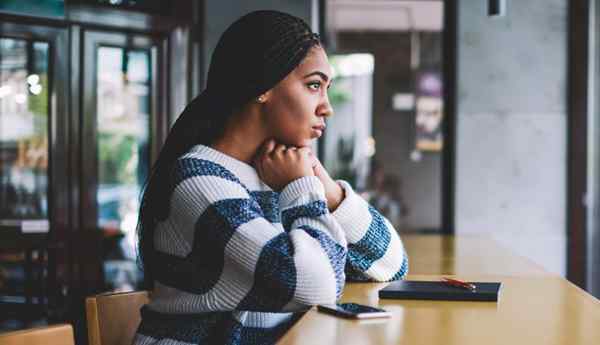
(238, 261)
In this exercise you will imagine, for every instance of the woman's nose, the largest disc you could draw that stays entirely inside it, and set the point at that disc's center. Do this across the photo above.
(325, 109)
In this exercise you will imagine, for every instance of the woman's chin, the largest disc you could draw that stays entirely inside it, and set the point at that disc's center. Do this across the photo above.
(308, 142)
(299, 142)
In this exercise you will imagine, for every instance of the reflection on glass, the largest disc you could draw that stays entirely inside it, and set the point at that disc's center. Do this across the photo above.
(123, 138)
(24, 105)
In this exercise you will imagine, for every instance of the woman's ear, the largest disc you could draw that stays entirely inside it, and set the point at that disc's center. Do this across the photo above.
(264, 97)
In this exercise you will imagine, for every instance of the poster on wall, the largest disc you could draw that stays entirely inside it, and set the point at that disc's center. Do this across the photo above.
(429, 112)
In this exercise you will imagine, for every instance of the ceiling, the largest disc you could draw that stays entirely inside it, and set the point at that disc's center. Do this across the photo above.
(385, 15)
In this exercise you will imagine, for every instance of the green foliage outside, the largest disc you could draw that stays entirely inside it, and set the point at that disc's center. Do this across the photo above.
(337, 94)
(38, 105)
(345, 153)
(115, 152)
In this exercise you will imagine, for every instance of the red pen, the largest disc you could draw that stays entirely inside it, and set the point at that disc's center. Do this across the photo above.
(459, 283)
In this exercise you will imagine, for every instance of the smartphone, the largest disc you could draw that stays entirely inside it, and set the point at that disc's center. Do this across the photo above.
(353, 311)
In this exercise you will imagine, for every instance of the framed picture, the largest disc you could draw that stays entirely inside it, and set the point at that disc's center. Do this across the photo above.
(429, 112)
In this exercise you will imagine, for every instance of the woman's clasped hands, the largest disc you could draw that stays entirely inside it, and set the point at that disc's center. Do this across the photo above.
(278, 165)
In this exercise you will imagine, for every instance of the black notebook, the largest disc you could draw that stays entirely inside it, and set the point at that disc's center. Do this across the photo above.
(439, 290)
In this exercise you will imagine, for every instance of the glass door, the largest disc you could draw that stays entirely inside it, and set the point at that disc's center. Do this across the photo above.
(24, 115)
(34, 188)
(120, 128)
(33, 128)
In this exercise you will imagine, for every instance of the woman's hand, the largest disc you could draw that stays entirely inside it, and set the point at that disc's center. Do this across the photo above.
(278, 165)
(333, 192)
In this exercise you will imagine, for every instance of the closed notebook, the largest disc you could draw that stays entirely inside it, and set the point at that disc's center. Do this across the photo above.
(438, 290)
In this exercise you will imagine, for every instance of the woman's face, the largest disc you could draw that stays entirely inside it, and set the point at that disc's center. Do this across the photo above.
(295, 109)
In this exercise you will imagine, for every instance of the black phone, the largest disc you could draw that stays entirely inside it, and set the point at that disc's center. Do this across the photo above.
(354, 311)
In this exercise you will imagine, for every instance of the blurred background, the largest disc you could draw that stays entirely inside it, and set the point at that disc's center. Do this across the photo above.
(450, 118)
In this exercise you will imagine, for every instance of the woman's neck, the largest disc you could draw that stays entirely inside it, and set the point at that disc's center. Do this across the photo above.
(241, 139)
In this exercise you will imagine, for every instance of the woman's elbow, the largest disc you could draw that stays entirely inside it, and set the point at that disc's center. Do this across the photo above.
(319, 286)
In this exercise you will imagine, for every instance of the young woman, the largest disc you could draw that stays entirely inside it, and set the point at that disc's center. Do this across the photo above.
(240, 226)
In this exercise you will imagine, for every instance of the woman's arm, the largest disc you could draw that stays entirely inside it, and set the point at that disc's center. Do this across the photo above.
(239, 257)
(375, 251)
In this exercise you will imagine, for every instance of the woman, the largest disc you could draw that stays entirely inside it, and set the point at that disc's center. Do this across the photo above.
(240, 225)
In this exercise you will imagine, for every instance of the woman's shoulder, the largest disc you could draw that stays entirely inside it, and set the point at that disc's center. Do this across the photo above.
(193, 164)
(205, 160)
(196, 177)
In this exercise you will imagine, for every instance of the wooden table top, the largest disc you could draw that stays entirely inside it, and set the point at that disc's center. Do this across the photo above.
(438, 254)
(535, 307)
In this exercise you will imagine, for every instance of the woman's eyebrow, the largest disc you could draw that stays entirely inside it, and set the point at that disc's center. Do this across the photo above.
(319, 73)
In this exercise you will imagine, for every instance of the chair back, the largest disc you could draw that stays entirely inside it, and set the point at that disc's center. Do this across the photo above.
(61, 334)
(113, 318)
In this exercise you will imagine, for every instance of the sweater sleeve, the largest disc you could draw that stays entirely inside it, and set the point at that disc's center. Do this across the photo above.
(240, 258)
(375, 251)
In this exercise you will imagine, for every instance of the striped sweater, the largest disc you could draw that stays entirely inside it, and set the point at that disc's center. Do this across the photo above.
(238, 261)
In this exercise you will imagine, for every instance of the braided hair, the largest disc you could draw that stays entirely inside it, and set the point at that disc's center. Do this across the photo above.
(255, 53)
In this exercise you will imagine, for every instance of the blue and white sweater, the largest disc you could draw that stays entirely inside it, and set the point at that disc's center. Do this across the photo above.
(237, 260)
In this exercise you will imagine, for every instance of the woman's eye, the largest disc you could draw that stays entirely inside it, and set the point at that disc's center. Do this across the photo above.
(314, 85)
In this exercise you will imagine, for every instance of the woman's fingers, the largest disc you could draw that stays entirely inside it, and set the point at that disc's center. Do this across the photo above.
(271, 148)
(307, 153)
(278, 164)
(279, 149)
(263, 152)
(268, 147)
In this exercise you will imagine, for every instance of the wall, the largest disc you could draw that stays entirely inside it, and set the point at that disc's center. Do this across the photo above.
(511, 127)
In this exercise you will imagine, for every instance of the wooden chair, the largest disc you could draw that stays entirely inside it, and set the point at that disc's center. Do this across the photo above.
(48, 335)
(113, 318)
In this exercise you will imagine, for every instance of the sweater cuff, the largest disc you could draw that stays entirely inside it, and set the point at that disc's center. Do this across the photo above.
(352, 214)
(307, 188)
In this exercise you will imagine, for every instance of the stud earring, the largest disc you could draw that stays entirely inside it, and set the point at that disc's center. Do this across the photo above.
(260, 99)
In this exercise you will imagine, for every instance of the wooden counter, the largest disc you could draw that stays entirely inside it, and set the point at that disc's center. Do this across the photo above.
(433, 254)
(535, 307)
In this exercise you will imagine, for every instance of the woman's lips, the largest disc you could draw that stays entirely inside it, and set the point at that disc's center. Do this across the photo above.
(318, 131)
